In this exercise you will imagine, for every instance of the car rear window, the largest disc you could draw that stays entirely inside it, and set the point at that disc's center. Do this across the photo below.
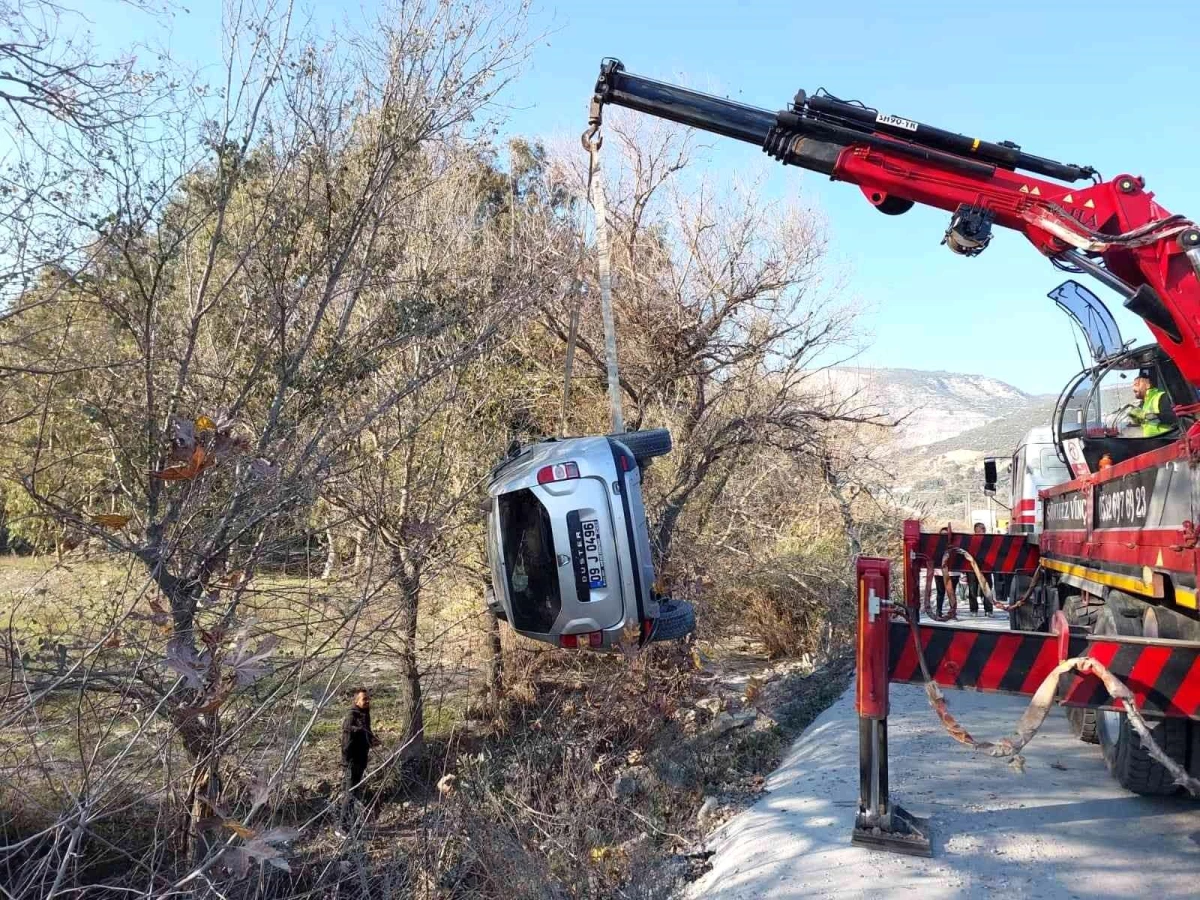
(531, 566)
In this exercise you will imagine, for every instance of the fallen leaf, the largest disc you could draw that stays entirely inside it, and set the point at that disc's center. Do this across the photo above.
(204, 423)
(194, 466)
(114, 521)
(112, 642)
(239, 829)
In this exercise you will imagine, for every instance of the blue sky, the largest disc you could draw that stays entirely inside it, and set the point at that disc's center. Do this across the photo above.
(1102, 83)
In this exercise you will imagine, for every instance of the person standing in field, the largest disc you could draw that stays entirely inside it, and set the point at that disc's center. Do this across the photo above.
(357, 741)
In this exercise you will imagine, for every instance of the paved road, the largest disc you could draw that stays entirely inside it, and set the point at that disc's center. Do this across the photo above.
(1061, 829)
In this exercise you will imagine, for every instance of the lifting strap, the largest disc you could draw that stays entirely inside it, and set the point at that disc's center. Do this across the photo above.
(569, 365)
(591, 142)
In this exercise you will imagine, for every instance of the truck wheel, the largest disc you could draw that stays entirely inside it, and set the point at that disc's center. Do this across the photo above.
(1031, 616)
(645, 445)
(1082, 721)
(1127, 759)
(676, 619)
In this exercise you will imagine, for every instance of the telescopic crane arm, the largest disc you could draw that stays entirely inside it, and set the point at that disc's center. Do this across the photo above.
(1113, 230)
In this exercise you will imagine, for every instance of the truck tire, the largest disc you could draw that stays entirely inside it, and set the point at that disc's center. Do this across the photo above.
(676, 619)
(645, 445)
(1016, 589)
(1031, 616)
(1126, 758)
(1082, 721)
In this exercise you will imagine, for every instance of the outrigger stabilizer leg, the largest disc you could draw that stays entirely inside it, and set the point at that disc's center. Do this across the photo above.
(880, 823)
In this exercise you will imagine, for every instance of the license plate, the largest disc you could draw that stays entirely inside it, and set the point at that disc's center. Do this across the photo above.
(593, 554)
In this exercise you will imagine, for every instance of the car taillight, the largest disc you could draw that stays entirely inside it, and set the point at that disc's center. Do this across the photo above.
(574, 641)
(559, 472)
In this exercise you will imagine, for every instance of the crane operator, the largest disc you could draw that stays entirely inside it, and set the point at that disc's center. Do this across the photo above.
(1156, 415)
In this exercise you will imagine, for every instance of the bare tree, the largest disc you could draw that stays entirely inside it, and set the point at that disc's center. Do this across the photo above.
(727, 314)
(184, 393)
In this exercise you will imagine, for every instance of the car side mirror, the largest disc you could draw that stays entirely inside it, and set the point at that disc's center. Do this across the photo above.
(989, 476)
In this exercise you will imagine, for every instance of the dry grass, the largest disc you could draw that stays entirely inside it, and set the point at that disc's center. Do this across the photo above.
(583, 782)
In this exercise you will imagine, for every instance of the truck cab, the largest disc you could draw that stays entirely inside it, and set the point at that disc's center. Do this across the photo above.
(1092, 425)
(1035, 465)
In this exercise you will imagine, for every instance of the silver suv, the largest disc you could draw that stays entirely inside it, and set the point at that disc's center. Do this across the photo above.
(569, 544)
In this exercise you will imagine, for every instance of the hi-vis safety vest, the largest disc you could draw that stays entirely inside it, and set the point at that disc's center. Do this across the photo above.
(1151, 406)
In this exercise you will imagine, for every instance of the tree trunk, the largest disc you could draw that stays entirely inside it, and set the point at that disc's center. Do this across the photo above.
(669, 519)
(845, 510)
(358, 551)
(412, 704)
(330, 556)
(199, 740)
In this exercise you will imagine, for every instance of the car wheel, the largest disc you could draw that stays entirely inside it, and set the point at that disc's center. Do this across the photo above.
(676, 619)
(645, 445)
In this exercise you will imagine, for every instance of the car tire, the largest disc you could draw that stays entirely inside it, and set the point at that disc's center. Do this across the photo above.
(645, 445)
(1082, 721)
(676, 620)
(1126, 757)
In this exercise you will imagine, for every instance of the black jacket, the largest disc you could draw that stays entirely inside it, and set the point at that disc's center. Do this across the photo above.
(357, 737)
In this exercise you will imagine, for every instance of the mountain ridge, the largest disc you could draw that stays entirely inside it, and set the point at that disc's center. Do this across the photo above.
(933, 406)
(950, 422)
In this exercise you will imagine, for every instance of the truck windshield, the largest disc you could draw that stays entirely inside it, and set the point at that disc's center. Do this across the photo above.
(1075, 410)
(530, 564)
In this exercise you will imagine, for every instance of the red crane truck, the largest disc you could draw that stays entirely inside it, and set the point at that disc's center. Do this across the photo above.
(1117, 544)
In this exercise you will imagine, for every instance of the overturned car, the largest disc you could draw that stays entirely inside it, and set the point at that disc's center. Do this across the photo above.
(569, 545)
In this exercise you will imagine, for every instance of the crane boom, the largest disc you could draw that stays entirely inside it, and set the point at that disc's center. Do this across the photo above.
(1113, 230)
